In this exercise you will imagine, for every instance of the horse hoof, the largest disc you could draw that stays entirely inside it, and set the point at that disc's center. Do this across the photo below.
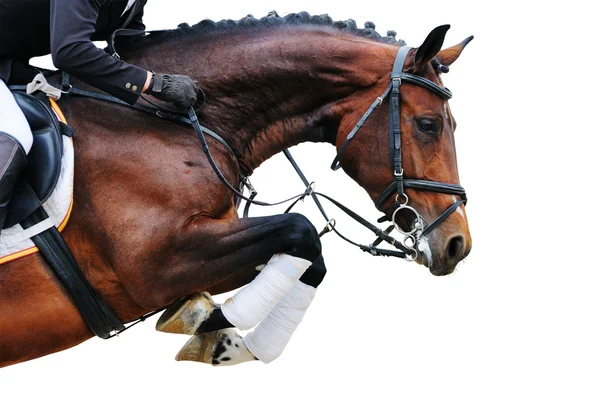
(221, 348)
(186, 314)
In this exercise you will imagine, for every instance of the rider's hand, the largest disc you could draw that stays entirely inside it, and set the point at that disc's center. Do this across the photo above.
(178, 89)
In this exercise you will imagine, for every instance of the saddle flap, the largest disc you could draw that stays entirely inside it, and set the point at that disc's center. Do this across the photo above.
(44, 159)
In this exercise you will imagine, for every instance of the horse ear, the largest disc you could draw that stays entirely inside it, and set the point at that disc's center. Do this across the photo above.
(430, 47)
(448, 55)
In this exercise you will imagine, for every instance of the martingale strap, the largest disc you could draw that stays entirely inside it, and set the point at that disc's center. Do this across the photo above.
(401, 252)
(205, 148)
(336, 161)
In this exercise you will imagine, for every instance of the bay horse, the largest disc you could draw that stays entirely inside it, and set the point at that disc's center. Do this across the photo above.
(152, 223)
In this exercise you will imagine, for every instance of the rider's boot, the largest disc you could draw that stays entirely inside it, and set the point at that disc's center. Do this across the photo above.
(12, 162)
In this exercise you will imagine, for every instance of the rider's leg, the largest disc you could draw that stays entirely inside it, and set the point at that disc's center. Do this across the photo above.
(15, 142)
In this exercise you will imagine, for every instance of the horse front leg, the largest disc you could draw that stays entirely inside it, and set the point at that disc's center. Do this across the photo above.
(266, 342)
(198, 314)
(230, 251)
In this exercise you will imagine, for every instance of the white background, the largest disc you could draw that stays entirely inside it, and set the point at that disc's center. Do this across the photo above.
(517, 319)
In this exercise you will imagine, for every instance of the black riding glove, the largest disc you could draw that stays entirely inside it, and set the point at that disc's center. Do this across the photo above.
(178, 89)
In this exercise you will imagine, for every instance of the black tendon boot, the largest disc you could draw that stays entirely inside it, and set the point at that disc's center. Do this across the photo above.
(12, 162)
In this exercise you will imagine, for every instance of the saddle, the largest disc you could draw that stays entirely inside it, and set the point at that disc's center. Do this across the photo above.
(43, 161)
(35, 186)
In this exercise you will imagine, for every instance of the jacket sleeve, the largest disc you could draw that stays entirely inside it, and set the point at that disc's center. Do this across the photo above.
(72, 23)
(137, 22)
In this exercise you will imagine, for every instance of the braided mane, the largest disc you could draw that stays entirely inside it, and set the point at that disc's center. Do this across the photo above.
(272, 19)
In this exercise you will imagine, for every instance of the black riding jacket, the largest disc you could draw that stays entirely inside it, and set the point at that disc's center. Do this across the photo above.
(66, 29)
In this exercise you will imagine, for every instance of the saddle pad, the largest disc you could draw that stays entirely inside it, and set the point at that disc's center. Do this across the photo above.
(14, 241)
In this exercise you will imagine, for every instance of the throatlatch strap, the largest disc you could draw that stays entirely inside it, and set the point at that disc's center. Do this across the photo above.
(336, 161)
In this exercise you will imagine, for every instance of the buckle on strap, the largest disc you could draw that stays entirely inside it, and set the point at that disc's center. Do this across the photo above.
(328, 227)
(248, 184)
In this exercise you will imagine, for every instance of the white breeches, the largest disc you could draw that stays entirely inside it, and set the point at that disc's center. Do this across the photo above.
(12, 120)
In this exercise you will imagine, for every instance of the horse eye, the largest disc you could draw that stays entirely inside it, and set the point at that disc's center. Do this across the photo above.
(429, 126)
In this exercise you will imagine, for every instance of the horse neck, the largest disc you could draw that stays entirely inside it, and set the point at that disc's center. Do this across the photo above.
(268, 91)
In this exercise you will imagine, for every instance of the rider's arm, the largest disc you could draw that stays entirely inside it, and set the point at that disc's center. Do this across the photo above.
(137, 23)
(72, 23)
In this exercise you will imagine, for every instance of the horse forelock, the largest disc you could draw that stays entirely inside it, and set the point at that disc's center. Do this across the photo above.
(249, 24)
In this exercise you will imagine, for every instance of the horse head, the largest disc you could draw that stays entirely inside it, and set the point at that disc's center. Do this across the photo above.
(427, 154)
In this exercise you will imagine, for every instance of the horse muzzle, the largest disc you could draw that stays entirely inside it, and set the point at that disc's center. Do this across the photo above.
(442, 251)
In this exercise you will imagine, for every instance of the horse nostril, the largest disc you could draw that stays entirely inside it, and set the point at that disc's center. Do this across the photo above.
(455, 248)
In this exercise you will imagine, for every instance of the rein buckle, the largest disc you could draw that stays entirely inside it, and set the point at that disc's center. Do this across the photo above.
(249, 185)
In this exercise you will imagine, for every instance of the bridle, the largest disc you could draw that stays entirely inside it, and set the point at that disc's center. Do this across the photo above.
(399, 182)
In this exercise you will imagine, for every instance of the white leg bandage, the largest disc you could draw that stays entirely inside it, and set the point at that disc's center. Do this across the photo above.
(12, 120)
(270, 337)
(252, 303)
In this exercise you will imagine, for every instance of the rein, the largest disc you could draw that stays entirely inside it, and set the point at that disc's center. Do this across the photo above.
(405, 249)
(192, 120)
